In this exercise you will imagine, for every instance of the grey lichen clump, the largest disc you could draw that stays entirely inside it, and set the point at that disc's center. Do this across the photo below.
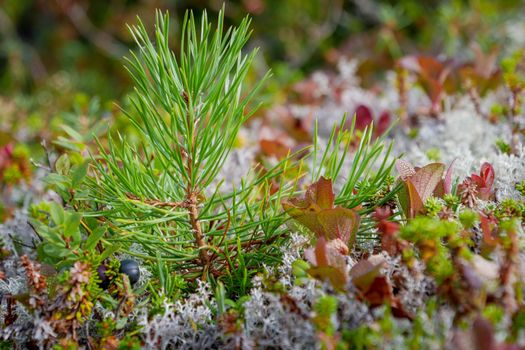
(185, 324)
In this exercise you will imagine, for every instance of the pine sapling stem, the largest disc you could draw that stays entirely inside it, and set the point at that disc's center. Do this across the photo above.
(192, 204)
(193, 210)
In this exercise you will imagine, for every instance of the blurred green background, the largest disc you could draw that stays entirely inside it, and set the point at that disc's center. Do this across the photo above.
(78, 45)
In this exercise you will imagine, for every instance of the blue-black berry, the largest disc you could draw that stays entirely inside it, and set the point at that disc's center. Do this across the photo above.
(131, 269)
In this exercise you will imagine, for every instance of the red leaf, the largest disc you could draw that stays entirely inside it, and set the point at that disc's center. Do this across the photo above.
(487, 174)
(426, 179)
(363, 117)
(388, 230)
(484, 181)
(382, 213)
(6, 154)
(483, 334)
(445, 186)
(383, 123)
(432, 75)
(488, 228)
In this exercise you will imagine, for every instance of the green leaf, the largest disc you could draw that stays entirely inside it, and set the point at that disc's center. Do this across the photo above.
(108, 251)
(404, 198)
(56, 179)
(121, 323)
(55, 251)
(71, 223)
(57, 213)
(72, 133)
(78, 174)
(62, 165)
(94, 238)
(49, 234)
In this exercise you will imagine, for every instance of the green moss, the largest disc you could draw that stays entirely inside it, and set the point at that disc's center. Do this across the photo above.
(434, 154)
(468, 218)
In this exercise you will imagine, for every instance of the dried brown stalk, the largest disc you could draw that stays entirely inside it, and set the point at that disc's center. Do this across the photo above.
(515, 111)
(401, 80)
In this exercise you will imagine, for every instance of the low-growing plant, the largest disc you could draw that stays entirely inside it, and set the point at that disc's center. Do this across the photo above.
(167, 195)
(62, 241)
(477, 186)
(419, 184)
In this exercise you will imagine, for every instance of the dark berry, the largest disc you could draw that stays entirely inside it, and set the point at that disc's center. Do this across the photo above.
(104, 280)
(131, 269)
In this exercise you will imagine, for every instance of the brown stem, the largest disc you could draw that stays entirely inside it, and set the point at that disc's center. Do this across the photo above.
(474, 98)
(515, 117)
(192, 191)
(401, 78)
(193, 210)
(191, 204)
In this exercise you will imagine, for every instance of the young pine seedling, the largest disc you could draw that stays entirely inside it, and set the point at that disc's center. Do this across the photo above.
(166, 196)
(188, 110)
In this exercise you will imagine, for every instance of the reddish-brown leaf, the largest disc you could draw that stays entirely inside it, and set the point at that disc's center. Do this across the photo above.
(432, 75)
(317, 213)
(483, 334)
(426, 179)
(488, 228)
(321, 193)
(340, 223)
(336, 277)
(329, 263)
(364, 273)
(416, 204)
(274, 148)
